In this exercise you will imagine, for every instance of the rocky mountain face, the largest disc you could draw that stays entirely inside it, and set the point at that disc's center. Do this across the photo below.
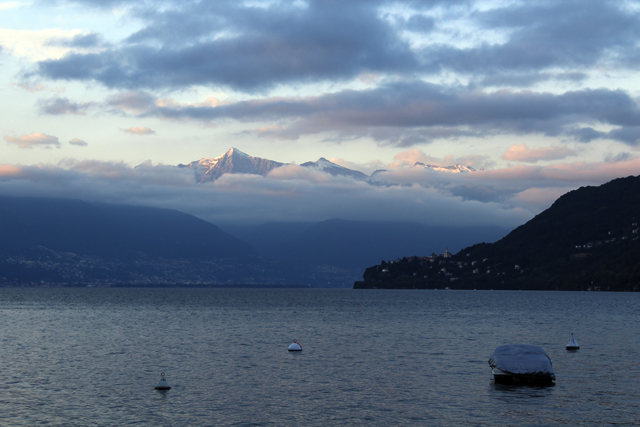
(233, 161)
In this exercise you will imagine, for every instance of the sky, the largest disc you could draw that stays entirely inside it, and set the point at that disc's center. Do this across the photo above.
(102, 99)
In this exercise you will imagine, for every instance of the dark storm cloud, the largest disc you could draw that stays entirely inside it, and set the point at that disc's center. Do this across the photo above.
(620, 157)
(525, 79)
(420, 24)
(628, 135)
(79, 41)
(100, 4)
(546, 34)
(249, 48)
(411, 112)
(62, 106)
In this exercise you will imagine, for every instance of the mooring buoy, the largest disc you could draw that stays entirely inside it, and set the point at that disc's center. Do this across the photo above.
(294, 346)
(573, 344)
(163, 384)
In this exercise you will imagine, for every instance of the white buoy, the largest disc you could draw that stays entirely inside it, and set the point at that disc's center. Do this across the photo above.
(295, 346)
(163, 384)
(573, 344)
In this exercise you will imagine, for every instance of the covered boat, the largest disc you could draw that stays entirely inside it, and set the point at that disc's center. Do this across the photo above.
(573, 344)
(523, 364)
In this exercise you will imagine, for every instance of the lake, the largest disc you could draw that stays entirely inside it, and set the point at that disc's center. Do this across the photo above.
(91, 356)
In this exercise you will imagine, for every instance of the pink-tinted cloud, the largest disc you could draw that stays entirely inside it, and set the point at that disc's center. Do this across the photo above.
(10, 170)
(34, 140)
(522, 153)
(31, 87)
(141, 131)
(410, 157)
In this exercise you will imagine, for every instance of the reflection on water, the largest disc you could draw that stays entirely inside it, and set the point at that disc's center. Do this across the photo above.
(92, 357)
(509, 393)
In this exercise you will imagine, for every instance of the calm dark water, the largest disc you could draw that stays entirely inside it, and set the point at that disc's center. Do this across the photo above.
(92, 356)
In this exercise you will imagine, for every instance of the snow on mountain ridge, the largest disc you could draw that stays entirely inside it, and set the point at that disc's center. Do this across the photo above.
(334, 169)
(452, 169)
(233, 150)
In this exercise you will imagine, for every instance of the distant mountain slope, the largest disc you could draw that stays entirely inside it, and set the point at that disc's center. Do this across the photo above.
(111, 230)
(54, 238)
(357, 244)
(334, 252)
(233, 161)
(588, 239)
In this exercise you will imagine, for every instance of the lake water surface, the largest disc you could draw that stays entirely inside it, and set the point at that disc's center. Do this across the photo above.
(88, 356)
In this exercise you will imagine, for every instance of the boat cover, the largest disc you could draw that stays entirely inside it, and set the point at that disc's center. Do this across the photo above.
(521, 360)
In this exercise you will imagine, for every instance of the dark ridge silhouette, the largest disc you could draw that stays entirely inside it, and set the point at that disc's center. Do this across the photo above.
(111, 230)
(589, 239)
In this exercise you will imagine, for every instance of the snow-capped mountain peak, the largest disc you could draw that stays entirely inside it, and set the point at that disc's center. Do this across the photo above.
(231, 151)
(452, 169)
(233, 161)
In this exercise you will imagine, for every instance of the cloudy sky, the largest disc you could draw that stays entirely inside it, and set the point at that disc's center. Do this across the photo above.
(100, 99)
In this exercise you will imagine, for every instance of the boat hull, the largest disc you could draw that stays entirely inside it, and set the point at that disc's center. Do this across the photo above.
(501, 377)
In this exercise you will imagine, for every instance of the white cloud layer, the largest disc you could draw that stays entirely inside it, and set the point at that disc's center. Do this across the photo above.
(505, 197)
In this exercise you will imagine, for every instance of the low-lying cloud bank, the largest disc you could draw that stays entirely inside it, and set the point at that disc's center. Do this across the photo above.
(505, 197)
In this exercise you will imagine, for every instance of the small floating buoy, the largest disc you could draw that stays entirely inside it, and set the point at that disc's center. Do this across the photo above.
(163, 384)
(295, 346)
(573, 344)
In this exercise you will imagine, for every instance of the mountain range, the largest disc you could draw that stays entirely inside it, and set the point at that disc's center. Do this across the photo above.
(589, 239)
(235, 161)
(56, 242)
